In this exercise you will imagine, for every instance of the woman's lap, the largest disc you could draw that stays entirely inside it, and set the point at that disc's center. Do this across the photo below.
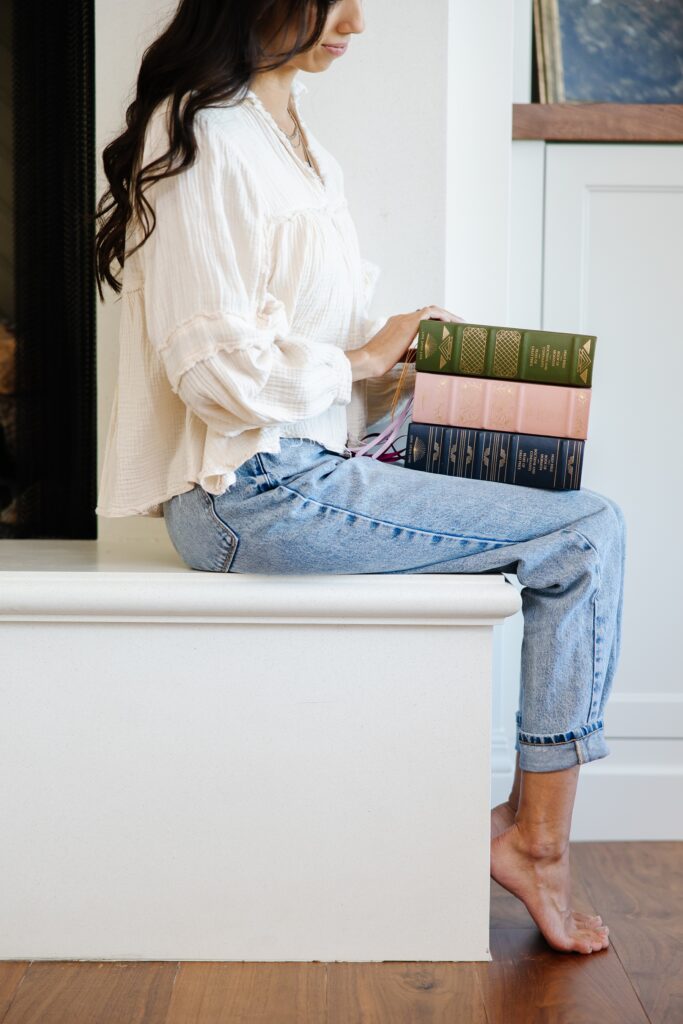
(309, 510)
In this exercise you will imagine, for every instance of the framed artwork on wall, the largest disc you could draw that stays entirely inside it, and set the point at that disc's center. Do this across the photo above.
(609, 51)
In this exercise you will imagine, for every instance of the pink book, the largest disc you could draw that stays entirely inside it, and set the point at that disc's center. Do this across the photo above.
(518, 407)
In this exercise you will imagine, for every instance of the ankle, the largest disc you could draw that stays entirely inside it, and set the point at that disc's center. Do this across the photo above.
(542, 842)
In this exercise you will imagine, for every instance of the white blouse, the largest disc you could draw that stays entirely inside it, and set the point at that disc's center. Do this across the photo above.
(236, 313)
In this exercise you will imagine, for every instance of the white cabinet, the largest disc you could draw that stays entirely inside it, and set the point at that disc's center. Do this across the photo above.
(200, 766)
(597, 231)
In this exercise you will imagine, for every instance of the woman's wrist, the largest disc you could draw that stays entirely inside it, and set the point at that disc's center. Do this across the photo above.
(362, 363)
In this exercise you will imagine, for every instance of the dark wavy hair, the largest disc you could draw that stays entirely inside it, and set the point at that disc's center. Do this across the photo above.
(212, 49)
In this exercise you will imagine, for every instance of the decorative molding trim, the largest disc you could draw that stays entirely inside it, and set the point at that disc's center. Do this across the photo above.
(423, 600)
(502, 753)
(645, 716)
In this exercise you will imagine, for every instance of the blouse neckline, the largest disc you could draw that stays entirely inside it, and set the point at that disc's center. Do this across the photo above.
(297, 88)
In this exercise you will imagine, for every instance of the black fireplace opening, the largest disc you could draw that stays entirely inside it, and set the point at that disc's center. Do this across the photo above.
(48, 415)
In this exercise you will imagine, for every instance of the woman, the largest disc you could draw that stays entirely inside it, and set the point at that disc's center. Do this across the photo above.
(248, 364)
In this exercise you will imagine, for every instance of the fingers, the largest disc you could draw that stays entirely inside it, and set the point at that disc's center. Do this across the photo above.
(439, 313)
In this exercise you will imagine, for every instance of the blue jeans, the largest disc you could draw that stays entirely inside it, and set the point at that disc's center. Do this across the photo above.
(309, 510)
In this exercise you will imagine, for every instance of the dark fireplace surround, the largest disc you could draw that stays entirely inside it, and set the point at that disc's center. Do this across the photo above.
(48, 421)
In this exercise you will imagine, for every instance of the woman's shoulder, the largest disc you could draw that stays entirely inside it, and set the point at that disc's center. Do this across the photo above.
(228, 122)
(224, 129)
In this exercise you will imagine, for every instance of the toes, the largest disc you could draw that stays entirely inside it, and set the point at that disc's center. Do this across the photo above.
(594, 941)
(587, 918)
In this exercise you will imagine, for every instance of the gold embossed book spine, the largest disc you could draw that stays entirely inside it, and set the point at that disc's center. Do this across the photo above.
(550, 463)
(519, 407)
(505, 353)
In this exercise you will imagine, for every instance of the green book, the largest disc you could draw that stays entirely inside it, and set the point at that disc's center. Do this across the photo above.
(505, 353)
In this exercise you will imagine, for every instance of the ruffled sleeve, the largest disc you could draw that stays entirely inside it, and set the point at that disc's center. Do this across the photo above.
(223, 339)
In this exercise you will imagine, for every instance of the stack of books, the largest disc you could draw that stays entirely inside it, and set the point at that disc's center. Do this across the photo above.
(501, 404)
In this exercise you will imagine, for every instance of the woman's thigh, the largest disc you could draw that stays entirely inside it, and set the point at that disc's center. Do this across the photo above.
(309, 510)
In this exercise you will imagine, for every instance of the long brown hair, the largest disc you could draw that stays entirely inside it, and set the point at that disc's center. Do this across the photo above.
(211, 50)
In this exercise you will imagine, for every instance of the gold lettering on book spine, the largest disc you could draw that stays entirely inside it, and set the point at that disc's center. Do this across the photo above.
(445, 348)
(506, 353)
(460, 455)
(419, 449)
(473, 354)
(432, 449)
(579, 462)
(585, 360)
(570, 470)
(430, 345)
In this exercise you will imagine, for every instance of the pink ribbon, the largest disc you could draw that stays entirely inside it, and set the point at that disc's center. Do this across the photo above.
(387, 437)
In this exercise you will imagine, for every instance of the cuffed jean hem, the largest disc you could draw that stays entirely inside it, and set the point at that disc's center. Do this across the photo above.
(548, 754)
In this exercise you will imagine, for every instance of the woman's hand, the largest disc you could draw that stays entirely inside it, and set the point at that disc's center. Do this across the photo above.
(390, 345)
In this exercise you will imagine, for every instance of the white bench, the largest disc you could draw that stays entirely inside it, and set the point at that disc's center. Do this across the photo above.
(198, 766)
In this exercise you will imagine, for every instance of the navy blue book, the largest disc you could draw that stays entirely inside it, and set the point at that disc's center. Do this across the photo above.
(531, 460)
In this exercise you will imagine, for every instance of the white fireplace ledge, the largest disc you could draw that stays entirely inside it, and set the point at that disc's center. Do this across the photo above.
(49, 580)
(299, 772)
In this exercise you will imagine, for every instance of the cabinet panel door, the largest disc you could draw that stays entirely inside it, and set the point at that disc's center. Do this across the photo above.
(613, 267)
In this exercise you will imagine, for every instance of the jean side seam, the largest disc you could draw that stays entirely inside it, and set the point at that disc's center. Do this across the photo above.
(594, 683)
(594, 687)
(396, 526)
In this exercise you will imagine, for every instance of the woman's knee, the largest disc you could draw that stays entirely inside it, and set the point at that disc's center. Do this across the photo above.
(618, 514)
(612, 507)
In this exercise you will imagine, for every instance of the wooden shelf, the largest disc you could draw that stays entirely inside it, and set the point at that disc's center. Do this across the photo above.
(598, 122)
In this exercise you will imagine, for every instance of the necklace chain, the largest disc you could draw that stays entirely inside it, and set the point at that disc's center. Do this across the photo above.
(296, 126)
(298, 135)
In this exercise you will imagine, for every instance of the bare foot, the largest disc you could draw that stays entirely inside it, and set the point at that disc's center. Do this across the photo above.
(543, 884)
(502, 816)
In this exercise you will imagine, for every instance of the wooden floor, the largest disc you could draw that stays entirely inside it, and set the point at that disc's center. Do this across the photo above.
(636, 887)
